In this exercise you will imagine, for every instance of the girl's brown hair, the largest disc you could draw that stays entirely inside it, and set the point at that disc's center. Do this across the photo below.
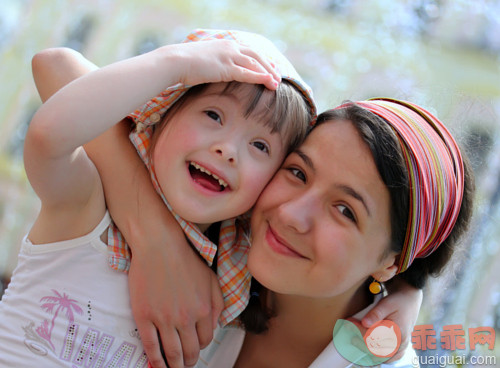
(286, 111)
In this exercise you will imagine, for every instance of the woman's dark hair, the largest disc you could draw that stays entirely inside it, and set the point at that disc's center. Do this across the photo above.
(386, 151)
(385, 148)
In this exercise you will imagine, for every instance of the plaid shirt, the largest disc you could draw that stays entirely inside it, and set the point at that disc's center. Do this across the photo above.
(232, 273)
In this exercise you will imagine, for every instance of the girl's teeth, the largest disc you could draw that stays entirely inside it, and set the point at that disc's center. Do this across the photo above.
(202, 169)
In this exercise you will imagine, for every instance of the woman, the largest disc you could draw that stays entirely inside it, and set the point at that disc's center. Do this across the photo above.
(321, 228)
(344, 306)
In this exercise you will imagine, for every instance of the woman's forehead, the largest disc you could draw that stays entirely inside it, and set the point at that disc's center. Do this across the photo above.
(340, 158)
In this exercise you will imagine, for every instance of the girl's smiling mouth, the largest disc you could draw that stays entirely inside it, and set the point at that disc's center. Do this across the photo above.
(206, 178)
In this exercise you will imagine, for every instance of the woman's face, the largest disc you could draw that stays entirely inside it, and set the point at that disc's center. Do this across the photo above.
(321, 226)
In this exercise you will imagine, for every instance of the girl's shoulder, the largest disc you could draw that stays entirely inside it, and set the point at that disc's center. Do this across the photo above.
(58, 223)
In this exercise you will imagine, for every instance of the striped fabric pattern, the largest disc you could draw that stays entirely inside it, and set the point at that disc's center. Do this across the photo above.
(436, 175)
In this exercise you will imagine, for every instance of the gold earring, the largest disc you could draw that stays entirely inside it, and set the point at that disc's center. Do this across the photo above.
(375, 287)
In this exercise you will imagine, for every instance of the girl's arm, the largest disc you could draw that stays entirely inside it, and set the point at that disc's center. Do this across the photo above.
(98, 100)
(173, 293)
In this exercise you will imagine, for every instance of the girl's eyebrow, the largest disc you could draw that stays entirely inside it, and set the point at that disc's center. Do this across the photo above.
(345, 188)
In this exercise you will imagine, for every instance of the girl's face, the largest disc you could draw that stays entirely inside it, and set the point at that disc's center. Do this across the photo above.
(321, 226)
(211, 160)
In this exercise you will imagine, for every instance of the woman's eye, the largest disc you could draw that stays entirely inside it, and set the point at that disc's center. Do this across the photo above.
(261, 146)
(214, 116)
(299, 174)
(345, 211)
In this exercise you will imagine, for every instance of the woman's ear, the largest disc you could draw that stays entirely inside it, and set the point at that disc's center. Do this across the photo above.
(387, 270)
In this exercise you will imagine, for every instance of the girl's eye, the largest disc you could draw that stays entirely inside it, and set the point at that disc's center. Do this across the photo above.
(261, 146)
(299, 174)
(214, 116)
(345, 211)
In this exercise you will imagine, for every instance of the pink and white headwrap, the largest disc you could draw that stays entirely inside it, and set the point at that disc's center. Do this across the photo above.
(436, 175)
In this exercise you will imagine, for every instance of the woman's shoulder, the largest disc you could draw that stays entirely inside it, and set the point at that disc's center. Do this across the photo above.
(408, 360)
(224, 349)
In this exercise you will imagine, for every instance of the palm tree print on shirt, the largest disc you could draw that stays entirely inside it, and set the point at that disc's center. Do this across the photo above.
(57, 304)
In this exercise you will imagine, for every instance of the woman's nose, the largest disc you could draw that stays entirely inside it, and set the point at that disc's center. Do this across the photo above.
(298, 213)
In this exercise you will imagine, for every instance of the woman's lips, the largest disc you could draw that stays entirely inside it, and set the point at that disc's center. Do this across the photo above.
(279, 245)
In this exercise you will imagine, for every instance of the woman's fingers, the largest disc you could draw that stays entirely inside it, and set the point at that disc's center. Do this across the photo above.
(171, 348)
(217, 300)
(151, 344)
(204, 331)
(190, 345)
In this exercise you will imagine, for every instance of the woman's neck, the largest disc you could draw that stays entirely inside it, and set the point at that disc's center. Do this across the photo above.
(314, 318)
(301, 330)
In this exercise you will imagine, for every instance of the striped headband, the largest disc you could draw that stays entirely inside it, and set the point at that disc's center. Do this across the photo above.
(436, 175)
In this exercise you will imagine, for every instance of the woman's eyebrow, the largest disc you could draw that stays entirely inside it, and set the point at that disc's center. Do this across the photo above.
(345, 188)
(353, 193)
(307, 160)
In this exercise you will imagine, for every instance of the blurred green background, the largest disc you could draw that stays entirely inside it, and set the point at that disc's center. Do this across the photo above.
(442, 54)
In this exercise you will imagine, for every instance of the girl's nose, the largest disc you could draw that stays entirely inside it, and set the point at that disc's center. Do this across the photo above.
(228, 151)
(298, 213)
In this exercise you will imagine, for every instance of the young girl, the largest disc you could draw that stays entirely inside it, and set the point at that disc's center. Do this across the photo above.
(222, 144)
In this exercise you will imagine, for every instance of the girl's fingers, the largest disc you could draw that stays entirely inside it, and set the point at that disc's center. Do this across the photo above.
(263, 62)
(246, 75)
(254, 65)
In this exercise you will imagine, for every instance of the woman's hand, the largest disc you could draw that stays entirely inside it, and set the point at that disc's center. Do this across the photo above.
(176, 298)
(401, 306)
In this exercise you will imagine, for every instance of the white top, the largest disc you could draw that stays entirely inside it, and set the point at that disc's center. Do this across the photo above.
(65, 307)
(223, 351)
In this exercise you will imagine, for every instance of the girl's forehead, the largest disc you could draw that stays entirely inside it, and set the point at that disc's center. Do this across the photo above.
(242, 90)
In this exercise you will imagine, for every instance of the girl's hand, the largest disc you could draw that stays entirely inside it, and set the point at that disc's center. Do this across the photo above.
(214, 61)
(401, 306)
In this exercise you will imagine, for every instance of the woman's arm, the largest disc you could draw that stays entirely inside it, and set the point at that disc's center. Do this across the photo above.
(401, 306)
(173, 292)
